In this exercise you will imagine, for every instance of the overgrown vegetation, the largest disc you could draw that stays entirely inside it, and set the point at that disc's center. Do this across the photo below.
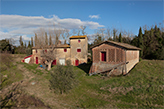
(63, 78)
(8, 71)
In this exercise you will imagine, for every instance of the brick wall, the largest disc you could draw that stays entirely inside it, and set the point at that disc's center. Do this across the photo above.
(114, 55)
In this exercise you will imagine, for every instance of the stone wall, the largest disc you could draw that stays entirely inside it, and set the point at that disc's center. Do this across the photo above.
(81, 56)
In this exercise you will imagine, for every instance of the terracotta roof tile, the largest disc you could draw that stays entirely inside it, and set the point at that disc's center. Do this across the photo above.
(124, 45)
(76, 37)
(50, 46)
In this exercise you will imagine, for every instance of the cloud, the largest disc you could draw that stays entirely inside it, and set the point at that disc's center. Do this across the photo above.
(94, 16)
(16, 25)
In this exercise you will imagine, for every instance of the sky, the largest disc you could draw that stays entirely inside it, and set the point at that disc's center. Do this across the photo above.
(26, 17)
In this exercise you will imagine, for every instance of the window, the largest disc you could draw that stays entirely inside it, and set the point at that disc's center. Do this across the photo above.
(78, 50)
(79, 40)
(65, 50)
(46, 51)
(36, 51)
(103, 56)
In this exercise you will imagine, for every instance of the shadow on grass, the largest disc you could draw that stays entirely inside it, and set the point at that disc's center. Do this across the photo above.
(85, 67)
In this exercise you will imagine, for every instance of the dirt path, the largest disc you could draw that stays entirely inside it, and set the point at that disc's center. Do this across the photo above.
(36, 86)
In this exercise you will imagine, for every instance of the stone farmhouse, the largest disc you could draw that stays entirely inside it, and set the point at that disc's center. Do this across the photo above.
(113, 58)
(76, 51)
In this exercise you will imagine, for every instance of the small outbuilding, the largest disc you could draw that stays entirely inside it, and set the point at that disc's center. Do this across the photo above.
(27, 59)
(113, 58)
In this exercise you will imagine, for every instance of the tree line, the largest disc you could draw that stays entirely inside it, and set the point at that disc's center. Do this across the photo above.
(150, 41)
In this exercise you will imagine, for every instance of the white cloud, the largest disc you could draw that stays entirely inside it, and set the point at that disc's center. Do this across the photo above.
(16, 25)
(94, 16)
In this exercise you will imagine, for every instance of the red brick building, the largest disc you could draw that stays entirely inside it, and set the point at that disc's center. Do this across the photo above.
(113, 58)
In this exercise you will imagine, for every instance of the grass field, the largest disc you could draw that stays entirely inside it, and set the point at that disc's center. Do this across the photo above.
(143, 87)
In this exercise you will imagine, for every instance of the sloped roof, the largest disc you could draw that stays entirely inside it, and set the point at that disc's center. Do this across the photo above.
(124, 45)
(63, 46)
(58, 46)
(77, 37)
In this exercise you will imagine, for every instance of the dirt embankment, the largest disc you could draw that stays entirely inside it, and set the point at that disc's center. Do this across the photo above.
(15, 97)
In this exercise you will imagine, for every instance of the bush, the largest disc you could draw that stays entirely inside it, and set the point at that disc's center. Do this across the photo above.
(63, 78)
(6, 61)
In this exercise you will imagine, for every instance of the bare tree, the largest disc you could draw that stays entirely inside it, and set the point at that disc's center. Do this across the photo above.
(49, 54)
(65, 35)
(108, 34)
(83, 29)
(46, 38)
(114, 33)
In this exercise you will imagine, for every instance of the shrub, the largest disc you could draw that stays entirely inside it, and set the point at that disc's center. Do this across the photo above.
(6, 61)
(63, 78)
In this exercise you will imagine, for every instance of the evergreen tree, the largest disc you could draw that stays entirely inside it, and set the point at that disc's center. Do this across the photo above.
(114, 34)
(25, 45)
(50, 40)
(46, 38)
(31, 41)
(120, 37)
(98, 40)
(36, 40)
(21, 41)
(29, 45)
(140, 40)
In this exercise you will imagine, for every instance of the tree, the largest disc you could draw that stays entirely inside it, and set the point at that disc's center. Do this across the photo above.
(140, 40)
(98, 40)
(120, 37)
(5, 46)
(36, 40)
(29, 45)
(108, 36)
(32, 42)
(51, 53)
(83, 29)
(63, 78)
(114, 34)
(21, 41)
(50, 40)
(46, 38)
(25, 45)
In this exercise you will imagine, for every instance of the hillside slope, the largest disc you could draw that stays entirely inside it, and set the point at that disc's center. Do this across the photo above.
(143, 87)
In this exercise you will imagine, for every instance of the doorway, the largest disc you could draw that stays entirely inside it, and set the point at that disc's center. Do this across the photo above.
(62, 61)
(76, 62)
(103, 56)
(36, 60)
